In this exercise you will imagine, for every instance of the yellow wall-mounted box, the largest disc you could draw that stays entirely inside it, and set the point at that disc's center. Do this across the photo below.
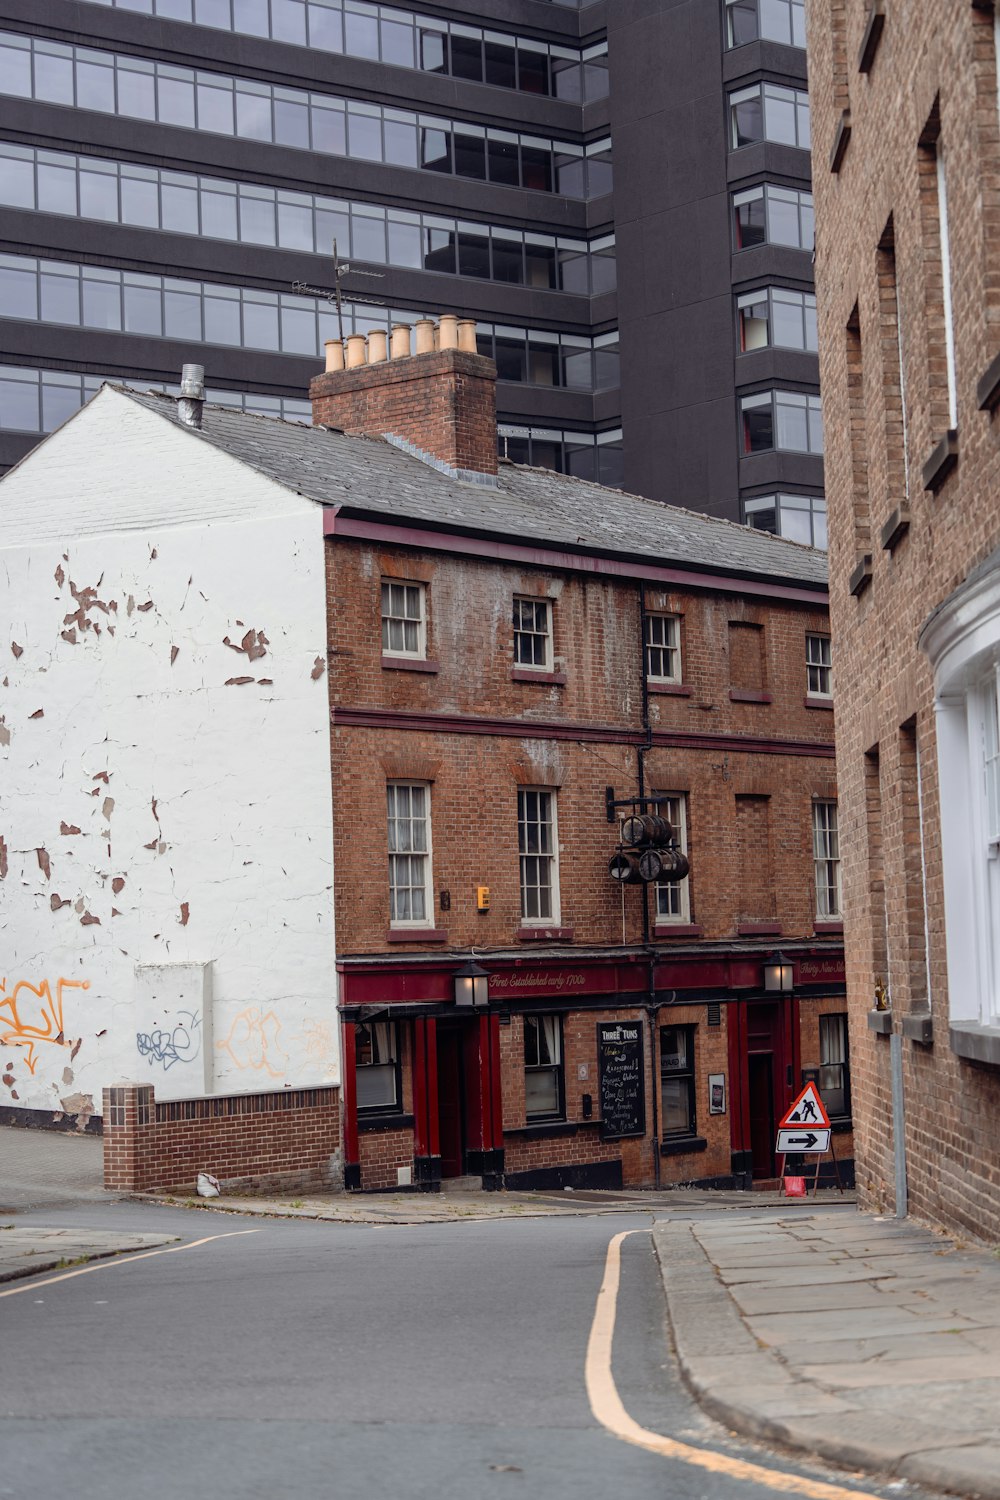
(482, 898)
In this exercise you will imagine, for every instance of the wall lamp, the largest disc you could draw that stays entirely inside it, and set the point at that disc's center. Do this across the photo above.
(779, 974)
(472, 985)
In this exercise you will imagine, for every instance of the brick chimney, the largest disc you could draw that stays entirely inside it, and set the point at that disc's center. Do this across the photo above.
(438, 400)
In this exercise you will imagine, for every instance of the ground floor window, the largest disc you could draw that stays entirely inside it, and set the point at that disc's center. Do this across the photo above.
(834, 1068)
(376, 1046)
(677, 1093)
(543, 1068)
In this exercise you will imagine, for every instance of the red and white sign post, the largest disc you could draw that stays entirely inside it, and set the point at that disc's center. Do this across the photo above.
(805, 1130)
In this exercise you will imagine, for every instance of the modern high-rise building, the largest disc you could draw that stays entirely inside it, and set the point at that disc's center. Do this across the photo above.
(617, 193)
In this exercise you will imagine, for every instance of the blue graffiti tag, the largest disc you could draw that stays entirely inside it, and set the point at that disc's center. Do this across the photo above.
(181, 1045)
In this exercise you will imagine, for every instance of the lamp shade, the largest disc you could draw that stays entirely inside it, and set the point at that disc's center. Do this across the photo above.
(471, 985)
(779, 974)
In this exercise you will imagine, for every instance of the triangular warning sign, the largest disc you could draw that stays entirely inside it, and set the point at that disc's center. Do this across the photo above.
(807, 1110)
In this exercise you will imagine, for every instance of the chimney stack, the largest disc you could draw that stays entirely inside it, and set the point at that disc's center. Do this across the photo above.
(439, 400)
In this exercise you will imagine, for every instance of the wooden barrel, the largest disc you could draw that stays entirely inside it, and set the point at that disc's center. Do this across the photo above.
(646, 829)
(624, 868)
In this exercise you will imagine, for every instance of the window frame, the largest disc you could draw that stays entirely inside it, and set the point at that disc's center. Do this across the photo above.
(663, 648)
(520, 633)
(827, 871)
(776, 399)
(552, 856)
(843, 1063)
(426, 854)
(803, 203)
(419, 652)
(557, 1068)
(394, 1062)
(687, 1075)
(792, 7)
(802, 301)
(823, 668)
(786, 503)
(678, 891)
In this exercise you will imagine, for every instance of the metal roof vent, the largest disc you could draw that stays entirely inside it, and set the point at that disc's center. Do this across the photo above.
(191, 403)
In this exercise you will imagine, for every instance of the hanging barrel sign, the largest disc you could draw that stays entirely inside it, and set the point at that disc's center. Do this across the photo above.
(621, 1079)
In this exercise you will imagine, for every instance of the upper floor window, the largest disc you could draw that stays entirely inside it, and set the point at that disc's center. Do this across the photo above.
(773, 20)
(404, 626)
(663, 648)
(819, 666)
(539, 860)
(834, 1065)
(802, 518)
(779, 317)
(533, 634)
(585, 455)
(673, 902)
(826, 859)
(771, 215)
(788, 420)
(544, 1091)
(677, 1081)
(376, 1055)
(769, 112)
(408, 806)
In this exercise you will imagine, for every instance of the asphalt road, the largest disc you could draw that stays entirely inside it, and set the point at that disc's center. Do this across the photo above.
(303, 1359)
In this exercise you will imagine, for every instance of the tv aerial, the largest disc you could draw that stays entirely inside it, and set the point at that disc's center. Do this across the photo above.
(333, 294)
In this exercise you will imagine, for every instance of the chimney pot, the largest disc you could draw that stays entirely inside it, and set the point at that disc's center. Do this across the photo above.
(400, 341)
(334, 354)
(376, 346)
(191, 403)
(355, 350)
(424, 329)
(467, 335)
(447, 331)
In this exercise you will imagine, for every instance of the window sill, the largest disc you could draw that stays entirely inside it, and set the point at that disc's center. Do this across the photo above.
(547, 679)
(685, 1145)
(880, 1021)
(544, 934)
(677, 930)
(841, 140)
(380, 1120)
(544, 1130)
(918, 1027)
(824, 929)
(941, 462)
(749, 695)
(409, 664)
(896, 528)
(670, 689)
(417, 935)
(988, 386)
(861, 576)
(759, 929)
(874, 27)
(813, 702)
(976, 1043)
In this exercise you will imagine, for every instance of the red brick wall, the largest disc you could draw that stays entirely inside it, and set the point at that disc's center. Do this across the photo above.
(445, 403)
(382, 1153)
(944, 52)
(279, 1140)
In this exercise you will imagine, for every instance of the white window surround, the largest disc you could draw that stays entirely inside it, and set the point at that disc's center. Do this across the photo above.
(409, 834)
(673, 897)
(949, 319)
(663, 648)
(826, 860)
(819, 666)
(962, 642)
(538, 849)
(404, 618)
(532, 634)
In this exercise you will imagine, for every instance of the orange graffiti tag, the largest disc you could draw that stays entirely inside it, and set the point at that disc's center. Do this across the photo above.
(32, 1015)
(253, 1042)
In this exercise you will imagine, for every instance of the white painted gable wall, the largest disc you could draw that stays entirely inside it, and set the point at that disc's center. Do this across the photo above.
(184, 934)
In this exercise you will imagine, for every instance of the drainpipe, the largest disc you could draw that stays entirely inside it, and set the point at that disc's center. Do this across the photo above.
(191, 403)
(651, 1007)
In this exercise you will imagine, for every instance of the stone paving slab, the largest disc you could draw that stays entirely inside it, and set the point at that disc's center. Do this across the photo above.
(29, 1251)
(892, 1364)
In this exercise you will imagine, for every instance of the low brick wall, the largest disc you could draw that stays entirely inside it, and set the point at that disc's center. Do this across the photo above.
(282, 1140)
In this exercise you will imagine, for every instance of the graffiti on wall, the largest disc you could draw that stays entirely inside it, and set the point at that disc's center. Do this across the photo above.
(31, 1016)
(253, 1042)
(167, 1045)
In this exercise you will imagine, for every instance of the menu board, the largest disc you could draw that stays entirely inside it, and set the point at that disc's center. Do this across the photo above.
(620, 1073)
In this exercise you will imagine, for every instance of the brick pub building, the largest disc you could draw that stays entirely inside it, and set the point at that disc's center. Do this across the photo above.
(513, 657)
(907, 172)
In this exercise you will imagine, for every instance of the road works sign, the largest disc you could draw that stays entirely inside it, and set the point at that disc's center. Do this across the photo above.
(803, 1139)
(805, 1126)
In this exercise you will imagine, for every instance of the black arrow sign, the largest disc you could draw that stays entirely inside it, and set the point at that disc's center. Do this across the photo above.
(805, 1141)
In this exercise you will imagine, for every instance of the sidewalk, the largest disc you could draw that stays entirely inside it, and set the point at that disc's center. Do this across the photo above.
(866, 1341)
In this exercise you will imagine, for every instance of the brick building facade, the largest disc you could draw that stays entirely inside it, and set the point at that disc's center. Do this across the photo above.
(490, 696)
(907, 171)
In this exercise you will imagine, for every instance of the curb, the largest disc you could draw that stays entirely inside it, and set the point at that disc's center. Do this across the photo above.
(716, 1350)
(42, 1267)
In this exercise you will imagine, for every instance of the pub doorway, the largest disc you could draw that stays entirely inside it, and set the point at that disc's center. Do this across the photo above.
(451, 1099)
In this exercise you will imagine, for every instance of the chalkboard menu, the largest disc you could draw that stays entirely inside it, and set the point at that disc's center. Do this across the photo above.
(620, 1071)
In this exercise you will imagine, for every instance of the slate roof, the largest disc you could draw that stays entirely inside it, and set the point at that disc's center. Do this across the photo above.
(367, 476)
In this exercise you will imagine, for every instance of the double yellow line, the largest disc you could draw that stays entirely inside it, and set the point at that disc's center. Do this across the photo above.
(122, 1260)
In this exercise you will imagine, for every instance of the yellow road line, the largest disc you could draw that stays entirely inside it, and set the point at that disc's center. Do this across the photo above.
(606, 1404)
(122, 1260)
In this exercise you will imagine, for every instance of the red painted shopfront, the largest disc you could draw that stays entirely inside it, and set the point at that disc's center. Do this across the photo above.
(511, 1092)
